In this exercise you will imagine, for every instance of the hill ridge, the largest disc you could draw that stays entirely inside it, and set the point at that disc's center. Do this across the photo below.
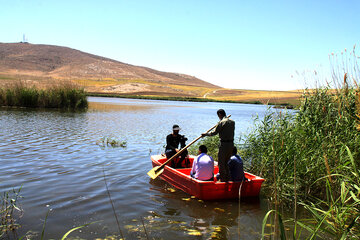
(68, 63)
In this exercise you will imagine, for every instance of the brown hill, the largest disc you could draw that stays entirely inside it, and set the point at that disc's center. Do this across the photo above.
(46, 64)
(98, 74)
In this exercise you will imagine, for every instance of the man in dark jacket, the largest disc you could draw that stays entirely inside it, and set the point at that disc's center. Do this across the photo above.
(174, 142)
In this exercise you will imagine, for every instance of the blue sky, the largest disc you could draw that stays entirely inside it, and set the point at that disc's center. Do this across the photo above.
(234, 44)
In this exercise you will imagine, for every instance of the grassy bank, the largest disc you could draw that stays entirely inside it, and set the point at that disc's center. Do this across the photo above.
(63, 95)
(311, 160)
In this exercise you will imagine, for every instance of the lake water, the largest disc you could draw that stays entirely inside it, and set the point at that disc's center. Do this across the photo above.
(55, 157)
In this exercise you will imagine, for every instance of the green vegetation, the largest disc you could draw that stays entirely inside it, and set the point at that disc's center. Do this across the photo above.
(61, 96)
(311, 159)
(9, 211)
(212, 144)
(315, 139)
(110, 142)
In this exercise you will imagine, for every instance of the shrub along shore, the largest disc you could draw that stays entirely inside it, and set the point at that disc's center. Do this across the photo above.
(63, 95)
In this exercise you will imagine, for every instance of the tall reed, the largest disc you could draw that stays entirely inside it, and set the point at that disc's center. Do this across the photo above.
(317, 153)
(62, 95)
(315, 136)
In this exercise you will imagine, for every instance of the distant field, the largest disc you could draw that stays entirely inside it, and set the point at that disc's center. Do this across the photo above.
(153, 89)
(273, 97)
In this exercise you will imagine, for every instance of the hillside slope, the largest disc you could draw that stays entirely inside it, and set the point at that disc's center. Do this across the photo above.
(45, 65)
(97, 74)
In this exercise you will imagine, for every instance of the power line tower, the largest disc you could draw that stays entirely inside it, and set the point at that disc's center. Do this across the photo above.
(24, 39)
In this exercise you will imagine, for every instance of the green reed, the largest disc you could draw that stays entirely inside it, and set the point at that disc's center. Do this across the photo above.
(314, 137)
(62, 95)
(311, 159)
(305, 157)
(335, 217)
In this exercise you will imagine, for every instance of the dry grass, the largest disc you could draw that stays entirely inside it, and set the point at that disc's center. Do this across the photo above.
(292, 97)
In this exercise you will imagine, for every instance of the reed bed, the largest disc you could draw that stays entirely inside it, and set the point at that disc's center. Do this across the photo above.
(311, 160)
(64, 95)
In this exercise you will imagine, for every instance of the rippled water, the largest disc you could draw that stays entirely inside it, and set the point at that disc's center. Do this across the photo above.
(53, 155)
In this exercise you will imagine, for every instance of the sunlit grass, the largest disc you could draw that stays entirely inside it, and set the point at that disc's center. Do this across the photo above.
(272, 97)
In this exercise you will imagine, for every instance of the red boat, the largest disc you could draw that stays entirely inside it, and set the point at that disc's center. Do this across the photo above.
(207, 190)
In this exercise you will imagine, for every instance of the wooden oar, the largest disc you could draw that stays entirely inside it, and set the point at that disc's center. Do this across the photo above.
(156, 171)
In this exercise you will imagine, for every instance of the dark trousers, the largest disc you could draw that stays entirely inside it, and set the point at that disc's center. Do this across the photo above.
(169, 153)
(224, 155)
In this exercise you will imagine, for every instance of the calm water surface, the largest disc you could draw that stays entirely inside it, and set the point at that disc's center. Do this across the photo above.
(54, 156)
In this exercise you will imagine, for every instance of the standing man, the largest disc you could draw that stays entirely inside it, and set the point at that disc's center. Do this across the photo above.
(225, 129)
(174, 142)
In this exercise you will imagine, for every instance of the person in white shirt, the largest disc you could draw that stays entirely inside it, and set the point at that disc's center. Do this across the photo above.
(203, 166)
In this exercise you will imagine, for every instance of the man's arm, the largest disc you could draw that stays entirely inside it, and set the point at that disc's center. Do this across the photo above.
(214, 131)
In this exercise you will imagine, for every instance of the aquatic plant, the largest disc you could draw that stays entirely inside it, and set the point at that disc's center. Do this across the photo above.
(111, 142)
(62, 95)
(65, 236)
(9, 209)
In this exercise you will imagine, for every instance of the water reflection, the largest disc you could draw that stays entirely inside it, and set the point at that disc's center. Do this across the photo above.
(108, 107)
(54, 157)
(222, 219)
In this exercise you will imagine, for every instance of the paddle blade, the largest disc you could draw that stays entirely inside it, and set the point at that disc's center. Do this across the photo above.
(154, 173)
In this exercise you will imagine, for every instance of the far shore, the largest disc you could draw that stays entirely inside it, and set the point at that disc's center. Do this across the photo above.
(192, 99)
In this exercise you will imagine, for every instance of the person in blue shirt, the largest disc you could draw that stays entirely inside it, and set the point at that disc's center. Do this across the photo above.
(236, 167)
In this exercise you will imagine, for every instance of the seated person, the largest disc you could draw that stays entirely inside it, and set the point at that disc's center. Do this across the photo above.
(203, 166)
(173, 141)
(236, 167)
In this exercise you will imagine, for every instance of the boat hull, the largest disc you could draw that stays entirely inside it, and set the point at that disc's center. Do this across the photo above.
(208, 190)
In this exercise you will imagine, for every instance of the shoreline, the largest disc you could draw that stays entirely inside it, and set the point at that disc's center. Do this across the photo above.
(188, 99)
